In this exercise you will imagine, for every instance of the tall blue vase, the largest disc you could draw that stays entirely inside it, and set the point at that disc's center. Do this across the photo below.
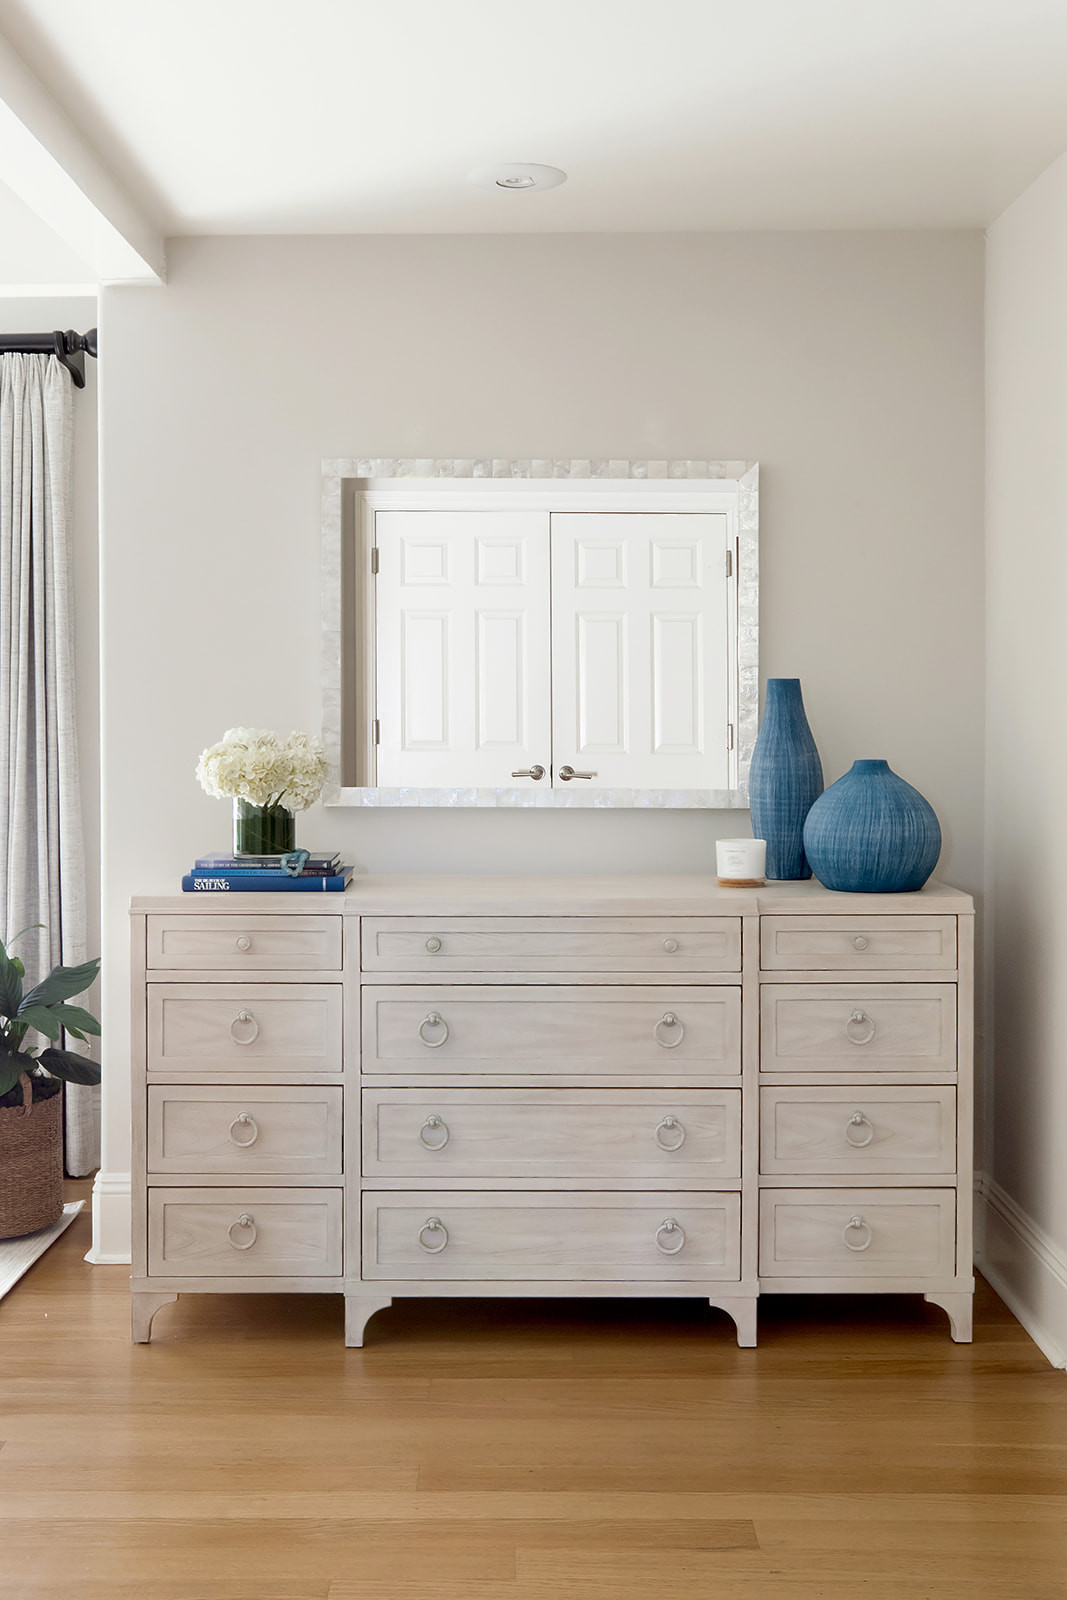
(872, 833)
(784, 780)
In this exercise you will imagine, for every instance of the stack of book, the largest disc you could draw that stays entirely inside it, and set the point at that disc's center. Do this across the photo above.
(240, 874)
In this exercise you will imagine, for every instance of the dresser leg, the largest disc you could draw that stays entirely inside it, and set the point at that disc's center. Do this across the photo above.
(744, 1315)
(143, 1307)
(359, 1308)
(960, 1308)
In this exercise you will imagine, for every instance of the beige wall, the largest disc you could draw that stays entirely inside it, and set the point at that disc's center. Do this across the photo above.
(1026, 1248)
(850, 365)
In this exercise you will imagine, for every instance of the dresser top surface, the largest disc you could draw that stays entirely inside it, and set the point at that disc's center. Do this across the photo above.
(677, 894)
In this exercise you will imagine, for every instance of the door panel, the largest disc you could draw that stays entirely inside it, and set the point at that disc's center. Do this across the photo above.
(463, 647)
(640, 646)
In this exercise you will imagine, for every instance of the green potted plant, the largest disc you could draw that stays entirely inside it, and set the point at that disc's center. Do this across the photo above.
(31, 1124)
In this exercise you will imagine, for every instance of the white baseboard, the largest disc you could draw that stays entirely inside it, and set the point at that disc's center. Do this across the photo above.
(1026, 1268)
(111, 1220)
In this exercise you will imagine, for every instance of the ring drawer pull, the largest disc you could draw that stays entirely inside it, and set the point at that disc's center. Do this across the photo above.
(245, 1220)
(676, 1134)
(860, 1028)
(433, 1225)
(859, 1121)
(860, 1226)
(433, 944)
(670, 945)
(671, 1227)
(437, 1125)
(247, 1120)
(860, 942)
(668, 1020)
(244, 1019)
(433, 1020)
(243, 942)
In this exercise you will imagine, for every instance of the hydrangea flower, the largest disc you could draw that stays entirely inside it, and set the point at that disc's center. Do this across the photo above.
(253, 764)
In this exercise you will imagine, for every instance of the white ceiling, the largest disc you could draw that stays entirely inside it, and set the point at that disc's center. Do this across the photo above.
(258, 116)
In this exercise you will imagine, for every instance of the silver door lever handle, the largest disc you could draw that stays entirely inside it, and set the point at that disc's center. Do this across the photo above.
(536, 773)
(567, 773)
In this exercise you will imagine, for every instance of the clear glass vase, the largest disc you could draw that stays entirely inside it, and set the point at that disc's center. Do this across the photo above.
(262, 830)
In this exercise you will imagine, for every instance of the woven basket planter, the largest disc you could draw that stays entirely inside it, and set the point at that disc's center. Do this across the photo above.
(31, 1166)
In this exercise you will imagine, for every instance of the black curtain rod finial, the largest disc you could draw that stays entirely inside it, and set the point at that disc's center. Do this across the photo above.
(70, 349)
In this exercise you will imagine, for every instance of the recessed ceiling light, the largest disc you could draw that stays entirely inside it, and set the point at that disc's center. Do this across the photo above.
(518, 176)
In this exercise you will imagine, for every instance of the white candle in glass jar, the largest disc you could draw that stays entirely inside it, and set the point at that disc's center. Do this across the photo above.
(741, 863)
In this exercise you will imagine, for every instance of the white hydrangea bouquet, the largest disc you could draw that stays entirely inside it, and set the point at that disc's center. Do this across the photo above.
(268, 781)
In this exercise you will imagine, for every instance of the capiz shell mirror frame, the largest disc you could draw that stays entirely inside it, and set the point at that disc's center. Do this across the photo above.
(581, 632)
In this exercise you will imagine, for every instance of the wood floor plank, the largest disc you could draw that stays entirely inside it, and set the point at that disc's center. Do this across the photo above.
(745, 1575)
(149, 1589)
(284, 1550)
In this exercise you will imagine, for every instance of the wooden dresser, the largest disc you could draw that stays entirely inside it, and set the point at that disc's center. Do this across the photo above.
(533, 1086)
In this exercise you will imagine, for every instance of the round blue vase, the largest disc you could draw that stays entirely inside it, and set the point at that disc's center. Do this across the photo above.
(872, 833)
(784, 779)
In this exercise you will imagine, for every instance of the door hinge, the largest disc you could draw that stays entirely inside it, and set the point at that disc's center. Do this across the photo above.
(374, 560)
(729, 563)
(377, 731)
(729, 736)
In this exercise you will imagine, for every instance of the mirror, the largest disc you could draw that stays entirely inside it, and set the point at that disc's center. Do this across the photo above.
(540, 633)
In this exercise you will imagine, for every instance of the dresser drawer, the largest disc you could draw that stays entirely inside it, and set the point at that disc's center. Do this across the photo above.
(548, 944)
(245, 1233)
(223, 1027)
(837, 1130)
(275, 1129)
(538, 1237)
(857, 1233)
(552, 1031)
(553, 1133)
(244, 943)
(857, 944)
(858, 1027)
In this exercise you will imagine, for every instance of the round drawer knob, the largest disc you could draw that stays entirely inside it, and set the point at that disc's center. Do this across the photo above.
(434, 1132)
(435, 1021)
(244, 1120)
(433, 1236)
(670, 1236)
(244, 942)
(860, 942)
(433, 944)
(670, 945)
(247, 1222)
(857, 1234)
(670, 1135)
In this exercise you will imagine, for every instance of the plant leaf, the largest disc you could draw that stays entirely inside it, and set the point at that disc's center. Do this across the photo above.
(73, 1018)
(71, 1068)
(10, 1073)
(61, 983)
(42, 1018)
(10, 985)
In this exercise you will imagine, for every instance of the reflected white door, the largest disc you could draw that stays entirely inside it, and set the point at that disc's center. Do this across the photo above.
(463, 657)
(640, 657)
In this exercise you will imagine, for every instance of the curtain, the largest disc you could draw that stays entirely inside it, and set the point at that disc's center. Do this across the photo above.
(43, 862)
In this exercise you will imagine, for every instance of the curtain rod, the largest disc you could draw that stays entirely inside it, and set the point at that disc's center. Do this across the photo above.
(69, 349)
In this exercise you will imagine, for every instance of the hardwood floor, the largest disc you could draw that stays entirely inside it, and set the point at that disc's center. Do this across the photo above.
(483, 1450)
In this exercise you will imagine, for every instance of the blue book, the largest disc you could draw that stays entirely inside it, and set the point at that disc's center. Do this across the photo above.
(201, 882)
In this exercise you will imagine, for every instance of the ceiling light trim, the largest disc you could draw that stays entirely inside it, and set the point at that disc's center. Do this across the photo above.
(518, 177)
